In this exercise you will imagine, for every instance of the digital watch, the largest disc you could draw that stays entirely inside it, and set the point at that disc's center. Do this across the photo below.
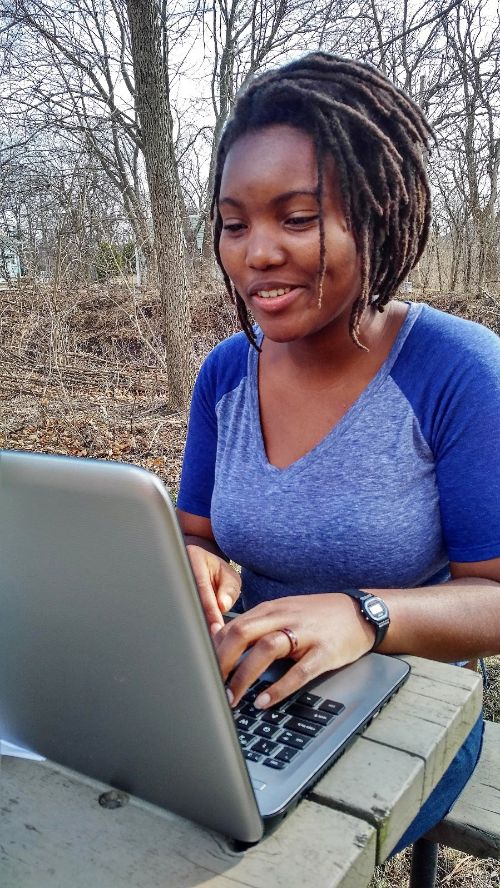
(374, 610)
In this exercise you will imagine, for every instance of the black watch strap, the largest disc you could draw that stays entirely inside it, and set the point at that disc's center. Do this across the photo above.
(375, 612)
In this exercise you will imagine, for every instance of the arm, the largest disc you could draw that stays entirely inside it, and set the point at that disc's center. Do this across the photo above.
(456, 620)
(218, 583)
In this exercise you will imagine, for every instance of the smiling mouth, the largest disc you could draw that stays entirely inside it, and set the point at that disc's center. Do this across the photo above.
(272, 294)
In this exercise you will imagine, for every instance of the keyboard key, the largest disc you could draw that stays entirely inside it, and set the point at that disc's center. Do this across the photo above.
(293, 739)
(274, 763)
(263, 730)
(252, 756)
(244, 723)
(314, 715)
(264, 746)
(287, 754)
(251, 710)
(255, 690)
(307, 699)
(274, 716)
(331, 706)
(244, 739)
(303, 727)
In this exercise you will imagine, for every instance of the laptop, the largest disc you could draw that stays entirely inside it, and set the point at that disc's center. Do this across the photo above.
(107, 666)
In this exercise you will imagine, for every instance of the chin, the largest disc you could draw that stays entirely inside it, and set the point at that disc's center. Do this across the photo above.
(276, 335)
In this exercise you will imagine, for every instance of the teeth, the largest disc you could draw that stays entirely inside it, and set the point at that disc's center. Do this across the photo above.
(271, 294)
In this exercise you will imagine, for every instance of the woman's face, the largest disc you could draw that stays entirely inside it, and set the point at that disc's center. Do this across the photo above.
(269, 244)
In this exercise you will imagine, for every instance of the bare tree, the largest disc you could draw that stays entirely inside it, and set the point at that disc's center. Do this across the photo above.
(156, 132)
(72, 75)
(475, 52)
(87, 89)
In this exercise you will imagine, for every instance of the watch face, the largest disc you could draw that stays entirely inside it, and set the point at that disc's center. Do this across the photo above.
(377, 610)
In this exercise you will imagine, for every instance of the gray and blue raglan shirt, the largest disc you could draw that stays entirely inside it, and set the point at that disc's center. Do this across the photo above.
(407, 481)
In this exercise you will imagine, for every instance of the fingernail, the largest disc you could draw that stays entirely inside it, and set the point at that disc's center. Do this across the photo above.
(225, 602)
(262, 700)
(230, 696)
(215, 628)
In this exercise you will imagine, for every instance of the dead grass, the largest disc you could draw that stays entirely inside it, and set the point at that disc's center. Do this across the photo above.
(82, 372)
(492, 692)
(455, 870)
(485, 310)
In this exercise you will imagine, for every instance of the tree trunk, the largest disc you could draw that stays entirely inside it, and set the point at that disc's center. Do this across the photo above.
(153, 111)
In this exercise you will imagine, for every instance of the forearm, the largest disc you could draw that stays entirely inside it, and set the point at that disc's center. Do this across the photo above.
(204, 543)
(457, 620)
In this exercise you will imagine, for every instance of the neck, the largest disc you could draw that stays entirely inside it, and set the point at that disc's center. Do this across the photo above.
(332, 347)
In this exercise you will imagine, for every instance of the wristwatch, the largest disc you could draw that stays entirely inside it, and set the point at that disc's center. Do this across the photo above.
(374, 610)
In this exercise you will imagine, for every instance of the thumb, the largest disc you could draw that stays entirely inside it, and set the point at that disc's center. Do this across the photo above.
(209, 603)
(228, 591)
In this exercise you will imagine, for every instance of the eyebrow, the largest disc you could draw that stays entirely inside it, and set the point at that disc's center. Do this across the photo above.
(280, 198)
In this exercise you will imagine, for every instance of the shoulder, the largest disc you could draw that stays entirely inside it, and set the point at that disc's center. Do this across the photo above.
(448, 370)
(224, 368)
(458, 338)
(445, 351)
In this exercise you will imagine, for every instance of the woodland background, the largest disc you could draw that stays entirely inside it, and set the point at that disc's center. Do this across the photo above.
(110, 114)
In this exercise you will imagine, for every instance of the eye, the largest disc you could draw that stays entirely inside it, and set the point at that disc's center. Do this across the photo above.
(233, 227)
(302, 221)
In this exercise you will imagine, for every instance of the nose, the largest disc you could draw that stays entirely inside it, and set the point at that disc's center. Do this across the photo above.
(263, 248)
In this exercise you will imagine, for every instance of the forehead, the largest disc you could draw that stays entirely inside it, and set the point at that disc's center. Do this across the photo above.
(276, 159)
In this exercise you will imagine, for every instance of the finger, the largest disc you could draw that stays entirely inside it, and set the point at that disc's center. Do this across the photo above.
(228, 590)
(210, 605)
(308, 667)
(235, 638)
(204, 585)
(271, 647)
(244, 631)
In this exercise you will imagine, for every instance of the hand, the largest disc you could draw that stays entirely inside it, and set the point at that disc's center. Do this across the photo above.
(218, 583)
(330, 631)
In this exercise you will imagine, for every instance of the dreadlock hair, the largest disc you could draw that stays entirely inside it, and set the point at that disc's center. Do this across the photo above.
(377, 138)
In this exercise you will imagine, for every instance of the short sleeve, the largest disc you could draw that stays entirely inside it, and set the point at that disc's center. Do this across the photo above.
(467, 451)
(221, 372)
(450, 373)
(198, 468)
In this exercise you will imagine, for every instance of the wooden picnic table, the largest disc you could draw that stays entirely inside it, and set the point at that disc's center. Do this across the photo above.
(54, 833)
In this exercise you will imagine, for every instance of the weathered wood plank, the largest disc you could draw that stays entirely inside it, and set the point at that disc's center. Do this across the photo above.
(53, 834)
(473, 824)
(431, 716)
(388, 796)
(406, 751)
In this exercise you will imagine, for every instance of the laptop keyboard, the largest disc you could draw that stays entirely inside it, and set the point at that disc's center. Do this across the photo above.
(274, 737)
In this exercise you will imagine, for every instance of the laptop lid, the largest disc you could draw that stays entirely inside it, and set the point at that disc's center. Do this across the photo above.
(106, 664)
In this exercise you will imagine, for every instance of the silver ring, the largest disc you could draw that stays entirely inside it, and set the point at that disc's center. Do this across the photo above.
(292, 638)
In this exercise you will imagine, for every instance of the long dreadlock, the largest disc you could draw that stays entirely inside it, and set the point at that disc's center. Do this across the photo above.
(377, 138)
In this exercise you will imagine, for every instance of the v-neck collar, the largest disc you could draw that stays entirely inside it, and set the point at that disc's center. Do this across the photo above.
(344, 422)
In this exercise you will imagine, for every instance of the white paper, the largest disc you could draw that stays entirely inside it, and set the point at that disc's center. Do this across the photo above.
(7, 748)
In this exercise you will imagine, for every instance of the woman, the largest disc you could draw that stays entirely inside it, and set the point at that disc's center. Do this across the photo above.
(346, 441)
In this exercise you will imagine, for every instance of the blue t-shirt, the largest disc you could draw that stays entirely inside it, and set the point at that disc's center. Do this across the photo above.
(407, 481)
